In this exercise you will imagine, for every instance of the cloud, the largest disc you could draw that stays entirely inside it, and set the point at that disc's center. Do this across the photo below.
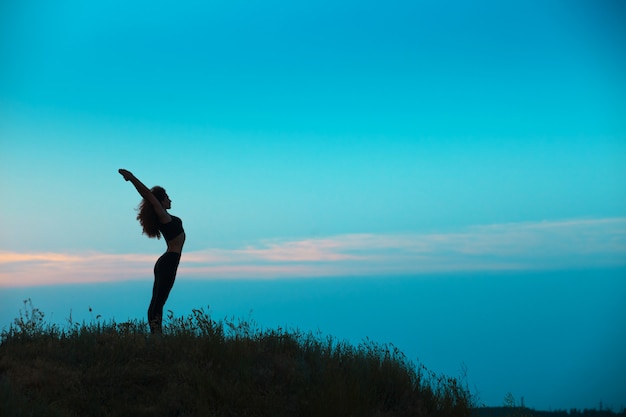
(27, 269)
(563, 244)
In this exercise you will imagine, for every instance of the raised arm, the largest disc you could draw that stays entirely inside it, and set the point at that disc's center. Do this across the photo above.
(145, 192)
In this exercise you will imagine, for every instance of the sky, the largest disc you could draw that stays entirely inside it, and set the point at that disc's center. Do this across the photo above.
(440, 159)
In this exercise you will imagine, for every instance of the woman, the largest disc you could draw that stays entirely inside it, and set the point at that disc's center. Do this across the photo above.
(156, 221)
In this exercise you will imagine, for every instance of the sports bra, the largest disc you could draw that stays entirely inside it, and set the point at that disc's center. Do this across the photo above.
(172, 229)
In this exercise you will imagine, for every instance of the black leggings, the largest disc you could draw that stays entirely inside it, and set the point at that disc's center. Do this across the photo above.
(164, 275)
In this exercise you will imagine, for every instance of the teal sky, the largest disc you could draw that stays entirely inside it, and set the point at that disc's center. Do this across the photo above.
(313, 139)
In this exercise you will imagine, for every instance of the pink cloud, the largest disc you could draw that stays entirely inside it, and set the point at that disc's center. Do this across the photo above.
(309, 250)
(533, 245)
(27, 269)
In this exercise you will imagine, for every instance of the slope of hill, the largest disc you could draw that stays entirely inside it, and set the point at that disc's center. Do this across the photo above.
(202, 367)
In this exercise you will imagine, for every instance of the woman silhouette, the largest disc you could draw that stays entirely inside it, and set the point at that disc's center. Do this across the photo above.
(156, 221)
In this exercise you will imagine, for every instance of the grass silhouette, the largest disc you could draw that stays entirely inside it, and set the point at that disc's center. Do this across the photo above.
(203, 367)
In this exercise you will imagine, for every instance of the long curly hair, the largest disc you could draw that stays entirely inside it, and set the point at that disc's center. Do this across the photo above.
(147, 216)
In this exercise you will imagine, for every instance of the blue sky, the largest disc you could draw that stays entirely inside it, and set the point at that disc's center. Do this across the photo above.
(314, 139)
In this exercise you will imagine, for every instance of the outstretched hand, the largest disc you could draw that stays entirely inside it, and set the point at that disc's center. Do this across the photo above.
(126, 174)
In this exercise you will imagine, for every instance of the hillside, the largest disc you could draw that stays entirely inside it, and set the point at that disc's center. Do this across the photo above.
(202, 367)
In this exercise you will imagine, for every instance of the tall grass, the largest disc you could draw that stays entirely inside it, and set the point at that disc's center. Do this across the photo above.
(203, 367)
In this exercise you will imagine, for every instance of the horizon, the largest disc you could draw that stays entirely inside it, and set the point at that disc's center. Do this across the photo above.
(344, 141)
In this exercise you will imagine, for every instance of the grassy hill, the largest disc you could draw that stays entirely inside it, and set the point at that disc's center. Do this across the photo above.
(202, 367)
